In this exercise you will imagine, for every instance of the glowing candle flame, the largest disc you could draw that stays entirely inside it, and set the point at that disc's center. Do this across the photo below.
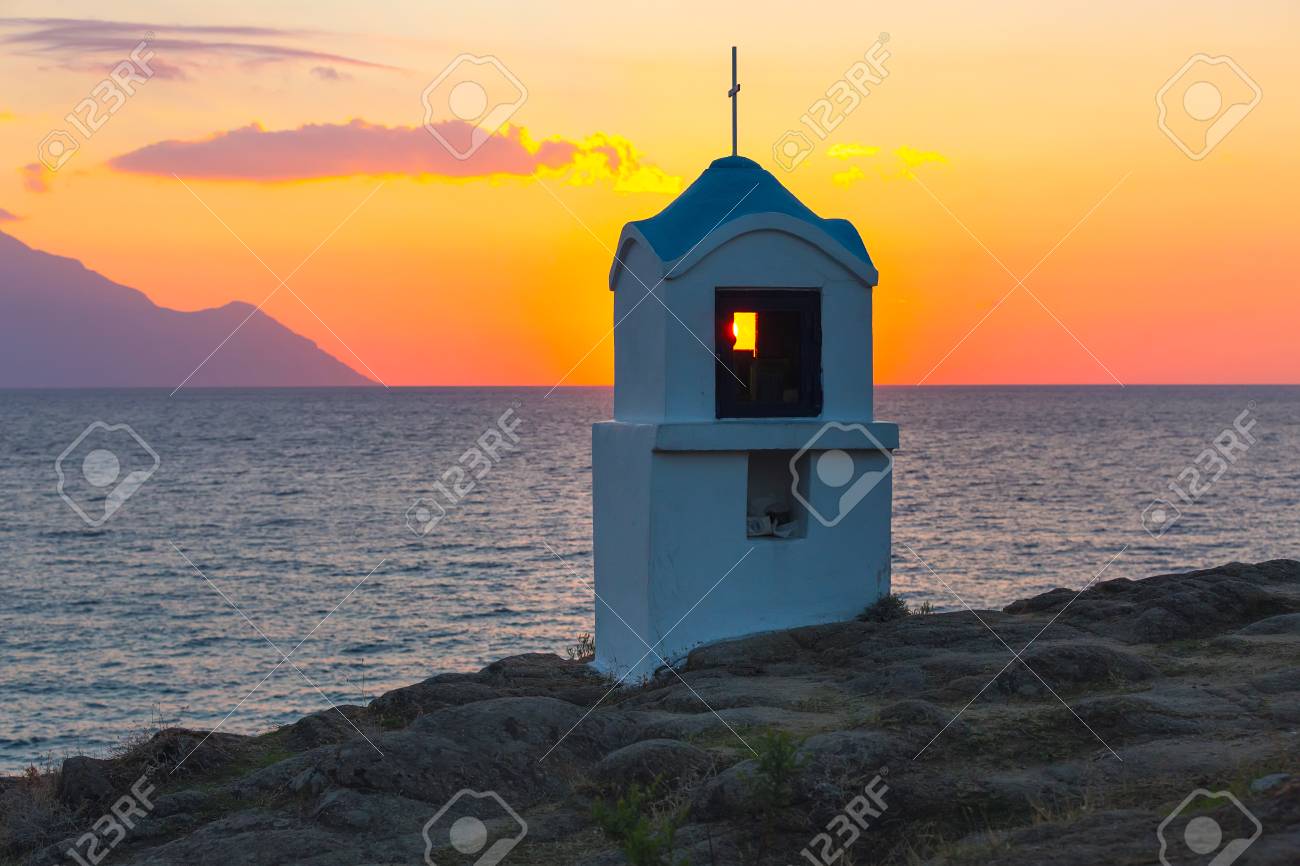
(744, 327)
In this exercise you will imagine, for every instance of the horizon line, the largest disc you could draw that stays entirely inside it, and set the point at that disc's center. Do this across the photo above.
(923, 386)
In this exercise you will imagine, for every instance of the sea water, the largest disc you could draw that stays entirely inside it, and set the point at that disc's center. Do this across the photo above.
(265, 523)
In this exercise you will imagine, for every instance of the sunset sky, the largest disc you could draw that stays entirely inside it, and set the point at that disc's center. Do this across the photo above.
(1006, 137)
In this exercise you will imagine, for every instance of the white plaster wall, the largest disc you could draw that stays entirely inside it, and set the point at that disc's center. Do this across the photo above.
(639, 338)
(846, 352)
(767, 259)
(696, 532)
(621, 457)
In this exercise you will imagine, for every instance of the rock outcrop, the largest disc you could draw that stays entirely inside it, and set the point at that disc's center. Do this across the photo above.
(1067, 728)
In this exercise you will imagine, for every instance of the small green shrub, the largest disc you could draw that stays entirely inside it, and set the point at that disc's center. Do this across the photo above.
(886, 608)
(628, 823)
(771, 788)
(619, 820)
(778, 762)
(391, 721)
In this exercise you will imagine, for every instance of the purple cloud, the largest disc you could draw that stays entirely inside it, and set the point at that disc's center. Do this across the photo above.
(72, 40)
(35, 177)
(8, 216)
(328, 73)
(342, 150)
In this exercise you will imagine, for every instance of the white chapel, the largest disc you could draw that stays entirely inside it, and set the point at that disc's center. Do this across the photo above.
(743, 484)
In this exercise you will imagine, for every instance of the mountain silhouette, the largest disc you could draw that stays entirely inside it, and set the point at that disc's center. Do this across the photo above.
(62, 325)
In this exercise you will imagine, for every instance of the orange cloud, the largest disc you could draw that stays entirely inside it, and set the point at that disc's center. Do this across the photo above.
(325, 150)
(612, 158)
(908, 159)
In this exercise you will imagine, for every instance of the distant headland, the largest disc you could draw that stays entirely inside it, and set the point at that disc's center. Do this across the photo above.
(64, 326)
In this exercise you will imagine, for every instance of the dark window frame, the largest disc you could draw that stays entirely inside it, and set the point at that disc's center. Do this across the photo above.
(806, 302)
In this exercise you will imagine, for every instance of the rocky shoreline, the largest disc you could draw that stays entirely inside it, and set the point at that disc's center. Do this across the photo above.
(922, 739)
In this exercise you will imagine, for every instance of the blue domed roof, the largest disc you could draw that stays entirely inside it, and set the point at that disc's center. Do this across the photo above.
(730, 188)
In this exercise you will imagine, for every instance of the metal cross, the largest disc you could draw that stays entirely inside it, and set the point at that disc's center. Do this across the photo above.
(735, 89)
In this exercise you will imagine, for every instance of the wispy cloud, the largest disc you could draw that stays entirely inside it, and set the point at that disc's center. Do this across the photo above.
(71, 41)
(328, 73)
(848, 177)
(324, 150)
(905, 159)
(36, 177)
(851, 151)
(912, 157)
(8, 216)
